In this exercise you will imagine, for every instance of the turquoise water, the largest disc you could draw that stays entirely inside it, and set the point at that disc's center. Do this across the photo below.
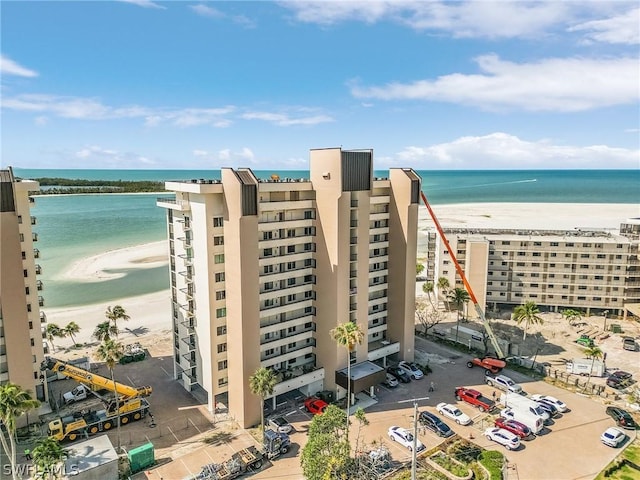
(76, 226)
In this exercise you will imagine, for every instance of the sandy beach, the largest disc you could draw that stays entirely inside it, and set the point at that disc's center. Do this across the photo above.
(151, 314)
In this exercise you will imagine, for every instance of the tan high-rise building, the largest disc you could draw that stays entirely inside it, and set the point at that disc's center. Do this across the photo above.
(263, 269)
(22, 337)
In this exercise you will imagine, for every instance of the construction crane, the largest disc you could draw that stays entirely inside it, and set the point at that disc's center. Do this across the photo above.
(131, 404)
(490, 364)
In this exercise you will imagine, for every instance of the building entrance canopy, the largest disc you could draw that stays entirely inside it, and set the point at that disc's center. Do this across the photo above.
(363, 376)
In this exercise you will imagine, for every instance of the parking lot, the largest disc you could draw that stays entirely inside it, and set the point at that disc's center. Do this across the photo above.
(569, 448)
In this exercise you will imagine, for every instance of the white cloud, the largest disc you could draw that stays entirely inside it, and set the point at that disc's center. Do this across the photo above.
(107, 157)
(553, 84)
(145, 4)
(623, 28)
(227, 157)
(610, 21)
(206, 11)
(284, 120)
(41, 120)
(9, 67)
(503, 151)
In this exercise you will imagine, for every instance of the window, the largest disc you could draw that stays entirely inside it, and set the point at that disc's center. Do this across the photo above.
(26, 290)
(267, 252)
(268, 285)
(291, 330)
(308, 230)
(584, 255)
(291, 281)
(308, 294)
(291, 233)
(220, 277)
(218, 240)
(218, 221)
(554, 244)
(221, 312)
(569, 244)
(222, 330)
(267, 235)
(218, 258)
(28, 307)
(22, 237)
(222, 347)
(222, 365)
(553, 254)
(25, 273)
(308, 247)
(308, 214)
(269, 302)
(269, 352)
(536, 254)
(30, 325)
(221, 294)
(291, 249)
(506, 243)
(291, 298)
(223, 381)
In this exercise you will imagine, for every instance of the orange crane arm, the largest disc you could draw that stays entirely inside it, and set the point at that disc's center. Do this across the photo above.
(467, 286)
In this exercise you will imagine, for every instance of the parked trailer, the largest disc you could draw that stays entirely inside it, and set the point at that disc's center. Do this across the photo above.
(586, 367)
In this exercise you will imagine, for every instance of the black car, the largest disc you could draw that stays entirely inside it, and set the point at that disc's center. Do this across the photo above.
(434, 424)
(619, 379)
(400, 374)
(550, 408)
(622, 417)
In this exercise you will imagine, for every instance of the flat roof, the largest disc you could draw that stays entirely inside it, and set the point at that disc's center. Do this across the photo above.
(90, 454)
(362, 370)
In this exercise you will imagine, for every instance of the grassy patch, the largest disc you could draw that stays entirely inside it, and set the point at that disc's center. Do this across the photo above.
(616, 470)
(493, 461)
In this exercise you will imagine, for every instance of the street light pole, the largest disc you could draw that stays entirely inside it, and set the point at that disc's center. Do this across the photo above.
(414, 454)
(605, 319)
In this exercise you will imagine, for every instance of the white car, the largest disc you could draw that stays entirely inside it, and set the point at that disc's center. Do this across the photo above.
(504, 383)
(559, 404)
(280, 424)
(453, 413)
(613, 437)
(404, 437)
(412, 369)
(503, 437)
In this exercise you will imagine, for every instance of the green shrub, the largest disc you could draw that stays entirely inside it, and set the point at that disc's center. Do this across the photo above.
(493, 461)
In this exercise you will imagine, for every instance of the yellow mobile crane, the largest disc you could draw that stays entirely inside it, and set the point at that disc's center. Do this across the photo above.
(131, 404)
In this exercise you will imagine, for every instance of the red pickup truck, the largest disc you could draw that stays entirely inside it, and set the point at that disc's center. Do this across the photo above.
(474, 397)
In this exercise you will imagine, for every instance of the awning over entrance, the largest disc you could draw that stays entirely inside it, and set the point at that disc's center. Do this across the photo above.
(363, 376)
(633, 308)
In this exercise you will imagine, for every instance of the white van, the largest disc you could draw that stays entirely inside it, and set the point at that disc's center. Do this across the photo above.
(534, 422)
(524, 404)
(586, 367)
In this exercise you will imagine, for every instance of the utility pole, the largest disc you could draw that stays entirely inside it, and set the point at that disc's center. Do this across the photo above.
(415, 434)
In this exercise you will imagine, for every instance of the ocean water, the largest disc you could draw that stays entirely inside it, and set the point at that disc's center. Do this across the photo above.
(76, 226)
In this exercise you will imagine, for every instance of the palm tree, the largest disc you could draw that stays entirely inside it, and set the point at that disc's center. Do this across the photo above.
(262, 384)
(527, 313)
(104, 331)
(571, 315)
(459, 297)
(594, 353)
(111, 352)
(71, 329)
(348, 335)
(443, 288)
(427, 287)
(54, 330)
(14, 401)
(47, 454)
(116, 313)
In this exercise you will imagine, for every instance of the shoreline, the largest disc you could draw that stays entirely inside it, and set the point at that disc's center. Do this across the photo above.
(151, 313)
(41, 195)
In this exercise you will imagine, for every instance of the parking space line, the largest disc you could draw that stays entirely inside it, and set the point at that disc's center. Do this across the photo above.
(187, 467)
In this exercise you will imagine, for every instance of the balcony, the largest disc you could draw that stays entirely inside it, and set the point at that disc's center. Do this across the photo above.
(382, 348)
(192, 363)
(32, 200)
(34, 237)
(38, 269)
(41, 301)
(190, 342)
(298, 379)
(33, 220)
(39, 285)
(43, 317)
(172, 203)
(36, 253)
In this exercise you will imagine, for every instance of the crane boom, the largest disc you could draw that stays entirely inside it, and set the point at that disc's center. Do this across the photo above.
(94, 381)
(467, 286)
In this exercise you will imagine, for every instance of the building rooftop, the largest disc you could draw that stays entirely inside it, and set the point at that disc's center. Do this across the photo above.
(90, 454)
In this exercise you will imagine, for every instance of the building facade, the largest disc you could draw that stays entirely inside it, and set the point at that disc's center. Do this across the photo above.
(263, 269)
(590, 270)
(22, 324)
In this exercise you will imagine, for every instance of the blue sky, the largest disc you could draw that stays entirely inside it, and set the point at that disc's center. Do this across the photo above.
(428, 85)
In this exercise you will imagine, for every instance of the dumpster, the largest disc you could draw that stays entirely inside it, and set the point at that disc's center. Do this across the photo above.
(141, 457)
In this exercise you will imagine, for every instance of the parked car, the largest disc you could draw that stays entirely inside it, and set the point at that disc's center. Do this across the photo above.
(433, 423)
(412, 370)
(619, 379)
(315, 405)
(280, 424)
(629, 343)
(504, 383)
(517, 428)
(390, 381)
(504, 437)
(622, 417)
(585, 341)
(405, 438)
(550, 408)
(559, 404)
(613, 437)
(400, 374)
(453, 413)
